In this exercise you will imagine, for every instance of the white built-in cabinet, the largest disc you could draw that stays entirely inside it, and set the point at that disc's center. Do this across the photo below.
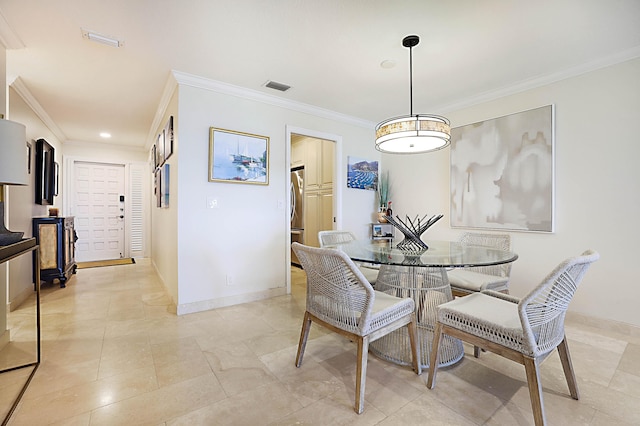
(317, 156)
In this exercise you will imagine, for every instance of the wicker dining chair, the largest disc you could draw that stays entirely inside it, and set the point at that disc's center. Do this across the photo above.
(328, 238)
(525, 331)
(466, 281)
(342, 300)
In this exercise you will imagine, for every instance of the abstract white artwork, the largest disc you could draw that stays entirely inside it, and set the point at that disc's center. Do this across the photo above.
(502, 172)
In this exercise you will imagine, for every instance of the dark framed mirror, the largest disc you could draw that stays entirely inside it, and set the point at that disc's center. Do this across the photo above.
(45, 172)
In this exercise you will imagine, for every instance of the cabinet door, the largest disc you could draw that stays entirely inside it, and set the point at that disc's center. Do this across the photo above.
(312, 219)
(48, 240)
(326, 211)
(326, 169)
(312, 165)
(297, 153)
(69, 242)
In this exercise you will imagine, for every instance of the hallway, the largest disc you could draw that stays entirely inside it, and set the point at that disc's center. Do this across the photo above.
(114, 354)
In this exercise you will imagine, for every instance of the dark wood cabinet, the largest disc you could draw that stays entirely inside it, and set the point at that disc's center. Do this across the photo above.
(56, 237)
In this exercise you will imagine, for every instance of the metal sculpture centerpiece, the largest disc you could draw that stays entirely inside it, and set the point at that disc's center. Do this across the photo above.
(412, 230)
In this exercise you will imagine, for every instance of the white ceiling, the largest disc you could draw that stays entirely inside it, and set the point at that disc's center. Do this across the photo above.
(329, 51)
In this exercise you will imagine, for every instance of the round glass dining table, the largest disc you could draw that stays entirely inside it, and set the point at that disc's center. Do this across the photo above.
(421, 275)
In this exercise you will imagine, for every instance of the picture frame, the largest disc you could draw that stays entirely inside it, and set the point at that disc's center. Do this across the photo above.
(154, 157)
(157, 186)
(160, 149)
(45, 173)
(377, 230)
(238, 157)
(362, 174)
(503, 172)
(164, 187)
(168, 138)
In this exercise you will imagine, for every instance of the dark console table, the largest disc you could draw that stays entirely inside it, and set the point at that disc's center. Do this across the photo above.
(56, 237)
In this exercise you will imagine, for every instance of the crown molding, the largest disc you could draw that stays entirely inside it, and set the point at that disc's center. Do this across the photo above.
(229, 89)
(544, 80)
(8, 38)
(167, 93)
(18, 85)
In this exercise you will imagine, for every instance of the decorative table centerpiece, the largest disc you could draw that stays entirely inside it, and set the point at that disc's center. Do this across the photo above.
(412, 230)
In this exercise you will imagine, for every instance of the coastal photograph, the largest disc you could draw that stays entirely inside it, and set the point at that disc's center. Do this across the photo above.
(362, 174)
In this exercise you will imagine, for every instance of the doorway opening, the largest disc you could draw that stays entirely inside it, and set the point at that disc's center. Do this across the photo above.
(314, 200)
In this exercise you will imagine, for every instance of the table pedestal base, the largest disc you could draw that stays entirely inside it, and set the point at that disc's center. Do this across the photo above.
(428, 287)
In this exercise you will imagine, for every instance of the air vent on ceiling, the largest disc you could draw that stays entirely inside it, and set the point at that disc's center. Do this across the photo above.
(277, 86)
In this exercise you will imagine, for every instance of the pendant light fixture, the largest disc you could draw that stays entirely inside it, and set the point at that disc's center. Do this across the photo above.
(413, 133)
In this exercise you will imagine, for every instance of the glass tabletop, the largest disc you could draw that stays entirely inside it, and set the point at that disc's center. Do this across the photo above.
(447, 254)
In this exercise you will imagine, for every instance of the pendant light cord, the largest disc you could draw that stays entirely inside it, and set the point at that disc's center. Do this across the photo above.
(410, 41)
(411, 80)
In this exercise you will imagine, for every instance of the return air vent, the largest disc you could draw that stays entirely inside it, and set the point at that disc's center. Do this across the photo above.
(277, 86)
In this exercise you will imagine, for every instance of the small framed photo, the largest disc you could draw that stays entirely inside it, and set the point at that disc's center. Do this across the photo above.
(154, 157)
(160, 149)
(168, 138)
(157, 186)
(238, 157)
(377, 230)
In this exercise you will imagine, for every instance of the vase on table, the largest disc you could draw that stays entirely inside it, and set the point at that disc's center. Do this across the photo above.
(382, 215)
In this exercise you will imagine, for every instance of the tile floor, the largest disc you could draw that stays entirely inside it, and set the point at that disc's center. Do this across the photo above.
(114, 354)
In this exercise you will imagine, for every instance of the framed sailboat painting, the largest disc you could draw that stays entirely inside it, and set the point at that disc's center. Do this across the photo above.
(238, 157)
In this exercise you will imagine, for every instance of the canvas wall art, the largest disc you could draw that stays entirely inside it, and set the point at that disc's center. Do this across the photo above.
(362, 174)
(238, 157)
(502, 172)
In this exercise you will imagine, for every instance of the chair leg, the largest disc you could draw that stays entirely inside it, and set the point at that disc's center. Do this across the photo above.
(361, 372)
(535, 390)
(565, 358)
(433, 356)
(476, 351)
(304, 334)
(415, 351)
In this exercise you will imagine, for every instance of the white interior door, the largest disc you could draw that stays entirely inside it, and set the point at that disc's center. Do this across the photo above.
(99, 211)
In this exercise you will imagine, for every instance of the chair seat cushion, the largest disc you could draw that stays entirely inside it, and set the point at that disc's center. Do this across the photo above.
(491, 318)
(387, 309)
(369, 273)
(476, 281)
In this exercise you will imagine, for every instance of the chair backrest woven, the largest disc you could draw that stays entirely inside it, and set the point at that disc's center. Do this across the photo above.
(543, 310)
(497, 241)
(328, 238)
(337, 292)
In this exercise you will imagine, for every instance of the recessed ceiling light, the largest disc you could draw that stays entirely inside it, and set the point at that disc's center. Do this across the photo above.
(105, 135)
(101, 38)
(387, 64)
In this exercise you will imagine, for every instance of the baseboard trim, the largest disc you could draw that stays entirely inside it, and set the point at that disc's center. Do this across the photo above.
(20, 298)
(604, 324)
(207, 305)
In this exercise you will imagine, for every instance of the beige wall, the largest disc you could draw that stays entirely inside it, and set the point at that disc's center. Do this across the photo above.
(22, 205)
(597, 186)
(164, 227)
(246, 236)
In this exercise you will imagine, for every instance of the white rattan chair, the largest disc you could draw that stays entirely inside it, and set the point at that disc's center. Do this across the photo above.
(465, 281)
(328, 238)
(342, 300)
(524, 331)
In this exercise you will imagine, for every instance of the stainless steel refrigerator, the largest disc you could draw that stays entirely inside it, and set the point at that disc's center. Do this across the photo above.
(297, 209)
